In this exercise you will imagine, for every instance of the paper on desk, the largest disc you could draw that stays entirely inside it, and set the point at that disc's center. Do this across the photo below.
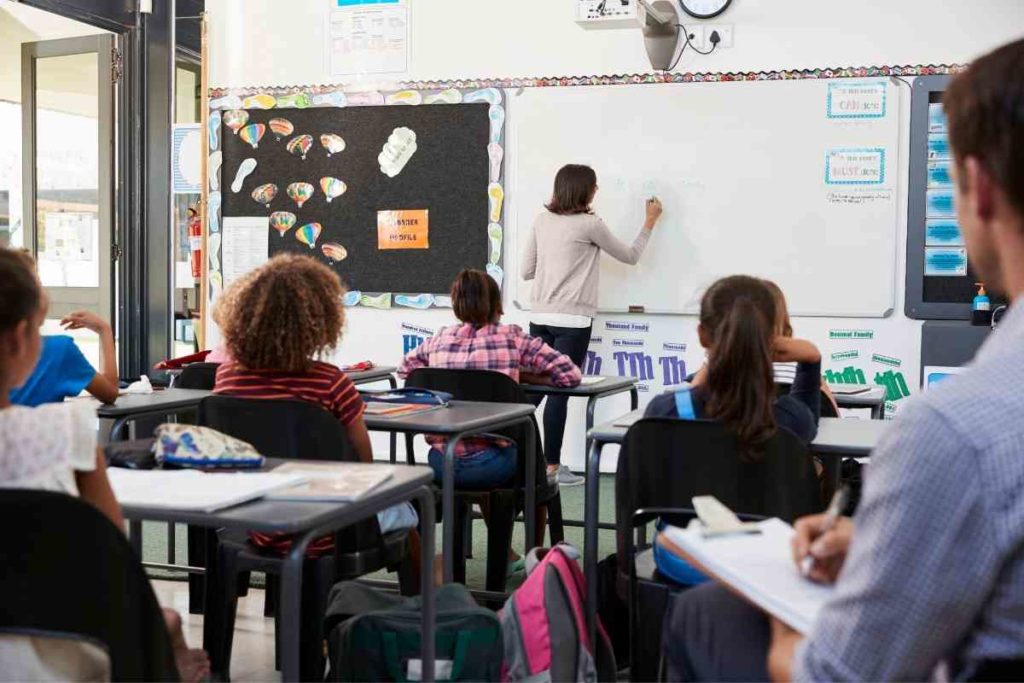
(590, 380)
(143, 386)
(191, 490)
(759, 567)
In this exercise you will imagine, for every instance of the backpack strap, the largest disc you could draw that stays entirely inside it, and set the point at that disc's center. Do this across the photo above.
(684, 405)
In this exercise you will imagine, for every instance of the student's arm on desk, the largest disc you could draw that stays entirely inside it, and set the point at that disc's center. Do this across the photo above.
(919, 566)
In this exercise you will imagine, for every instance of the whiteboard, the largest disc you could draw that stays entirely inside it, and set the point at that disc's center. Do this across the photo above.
(776, 179)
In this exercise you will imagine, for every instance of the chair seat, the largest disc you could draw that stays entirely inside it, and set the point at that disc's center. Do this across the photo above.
(251, 557)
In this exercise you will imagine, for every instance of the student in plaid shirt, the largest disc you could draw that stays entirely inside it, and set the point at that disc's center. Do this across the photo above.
(481, 342)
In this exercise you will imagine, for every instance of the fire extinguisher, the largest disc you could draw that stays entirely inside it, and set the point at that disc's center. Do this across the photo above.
(195, 242)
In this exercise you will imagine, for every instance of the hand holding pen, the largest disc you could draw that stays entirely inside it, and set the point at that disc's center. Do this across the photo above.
(821, 541)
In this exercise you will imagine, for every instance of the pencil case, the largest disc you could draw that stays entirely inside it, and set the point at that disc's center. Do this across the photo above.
(192, 446)
(407, 395)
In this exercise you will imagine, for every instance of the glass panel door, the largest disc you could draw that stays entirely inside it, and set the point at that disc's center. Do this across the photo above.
(68, 172)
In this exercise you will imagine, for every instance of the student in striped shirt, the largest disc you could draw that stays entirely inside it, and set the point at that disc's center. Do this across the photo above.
(276, 321)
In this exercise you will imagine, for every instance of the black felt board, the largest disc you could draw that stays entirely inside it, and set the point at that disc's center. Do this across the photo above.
(448, 176)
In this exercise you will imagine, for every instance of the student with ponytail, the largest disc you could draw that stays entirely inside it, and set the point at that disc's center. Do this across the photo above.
(738, 328)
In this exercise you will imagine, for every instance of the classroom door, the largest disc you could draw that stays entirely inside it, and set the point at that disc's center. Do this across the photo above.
(68, 169)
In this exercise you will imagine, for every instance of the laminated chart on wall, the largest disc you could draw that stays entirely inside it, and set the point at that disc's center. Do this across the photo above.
(367, 37)
(795, 181)
(395, 191)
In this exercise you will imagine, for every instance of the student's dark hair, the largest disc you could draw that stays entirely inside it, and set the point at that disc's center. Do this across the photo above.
(985, 110)
(476, 298)
(20, 292)
(574, 187)
(781, 310)
(738, 314)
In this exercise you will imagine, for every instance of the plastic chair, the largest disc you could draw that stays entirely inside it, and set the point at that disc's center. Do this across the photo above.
(292, 430)
(53, 582)
(197, 376)
(663, 464)
(493, 387)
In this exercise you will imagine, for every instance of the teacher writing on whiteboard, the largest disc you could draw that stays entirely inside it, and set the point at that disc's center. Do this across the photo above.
(562, 258)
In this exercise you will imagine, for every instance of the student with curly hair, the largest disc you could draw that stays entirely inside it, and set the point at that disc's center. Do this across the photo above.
(277, 321)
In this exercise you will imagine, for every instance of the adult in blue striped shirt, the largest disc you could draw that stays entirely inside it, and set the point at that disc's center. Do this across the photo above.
(930, 573)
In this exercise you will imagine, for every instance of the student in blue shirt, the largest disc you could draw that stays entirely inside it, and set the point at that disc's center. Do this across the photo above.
(62, 370)
(739, 327)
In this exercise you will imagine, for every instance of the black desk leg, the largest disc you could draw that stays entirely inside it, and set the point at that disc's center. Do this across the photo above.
(135, 536)
(634, 399)
(448, 508)
(591, 510)
(531, 486)
(394, 436)
(427, 526)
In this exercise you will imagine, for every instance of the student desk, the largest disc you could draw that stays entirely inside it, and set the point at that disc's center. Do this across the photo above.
(381, 373)
(837, 438)
(310, 521)
(457, 421)
(873, 399)
(161, 402)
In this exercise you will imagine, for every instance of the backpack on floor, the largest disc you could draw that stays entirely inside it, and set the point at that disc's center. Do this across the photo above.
(545, 625)
(375, 636)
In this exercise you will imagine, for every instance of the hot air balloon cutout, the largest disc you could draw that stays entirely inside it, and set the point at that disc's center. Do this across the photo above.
(299, 145)
(235, 119)
(282, 221)
(308, 234)
(332, 187)
(281, 128)
(334, 252)
(332, 143)
(300, 193)
(253, 133)
(264, 194)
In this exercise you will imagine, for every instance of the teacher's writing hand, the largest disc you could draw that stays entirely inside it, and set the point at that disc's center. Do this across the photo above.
(654, 210)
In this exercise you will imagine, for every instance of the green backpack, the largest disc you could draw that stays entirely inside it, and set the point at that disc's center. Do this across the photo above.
(375, 636)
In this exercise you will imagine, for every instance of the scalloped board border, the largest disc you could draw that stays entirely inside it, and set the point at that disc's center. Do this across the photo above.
(629, 79)
(296, 97)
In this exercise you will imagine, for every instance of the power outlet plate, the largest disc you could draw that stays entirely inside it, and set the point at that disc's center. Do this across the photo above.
(724, 32)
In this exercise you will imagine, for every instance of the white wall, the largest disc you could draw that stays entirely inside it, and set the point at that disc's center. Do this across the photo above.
(260, 43)
(276, 42)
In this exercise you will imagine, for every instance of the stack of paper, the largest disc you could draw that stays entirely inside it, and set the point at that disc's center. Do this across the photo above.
(329, 482)
(193, 490)
(758, 567)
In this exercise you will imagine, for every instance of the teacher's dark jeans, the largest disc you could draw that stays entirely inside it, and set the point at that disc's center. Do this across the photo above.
(573, 342)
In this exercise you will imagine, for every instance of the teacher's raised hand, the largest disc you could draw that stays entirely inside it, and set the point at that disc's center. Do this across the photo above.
(654, 209)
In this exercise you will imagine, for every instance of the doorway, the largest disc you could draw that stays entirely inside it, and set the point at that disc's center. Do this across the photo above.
(57, 159)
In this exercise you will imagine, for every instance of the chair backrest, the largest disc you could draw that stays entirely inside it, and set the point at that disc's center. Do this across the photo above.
(289, 429)
(487, 386)
(54, 582)
(665, 462)
(197, 376)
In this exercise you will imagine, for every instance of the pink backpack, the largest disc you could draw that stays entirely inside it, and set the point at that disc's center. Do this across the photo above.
(545, 626)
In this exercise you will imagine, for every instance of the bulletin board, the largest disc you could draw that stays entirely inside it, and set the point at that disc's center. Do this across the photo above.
(940, 279)
(397, 192)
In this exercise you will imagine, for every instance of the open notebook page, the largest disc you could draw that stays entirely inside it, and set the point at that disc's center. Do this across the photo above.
(759, 567)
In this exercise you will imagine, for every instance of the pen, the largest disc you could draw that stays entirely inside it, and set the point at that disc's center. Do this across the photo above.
(835, 509)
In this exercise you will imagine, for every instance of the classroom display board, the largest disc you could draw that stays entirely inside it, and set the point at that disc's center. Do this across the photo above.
(940, 279)
(397, 192)
(790, 180)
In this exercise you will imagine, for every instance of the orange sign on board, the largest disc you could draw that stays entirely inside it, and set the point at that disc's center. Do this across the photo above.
(407, 229)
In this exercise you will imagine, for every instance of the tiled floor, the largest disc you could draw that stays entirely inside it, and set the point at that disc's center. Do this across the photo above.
(252, 655)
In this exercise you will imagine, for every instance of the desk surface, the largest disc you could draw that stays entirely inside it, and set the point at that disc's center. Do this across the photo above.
(607, 384)
(851, 437)
(459, 416)
(374, 374)
(271, 516)
(158, 400)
